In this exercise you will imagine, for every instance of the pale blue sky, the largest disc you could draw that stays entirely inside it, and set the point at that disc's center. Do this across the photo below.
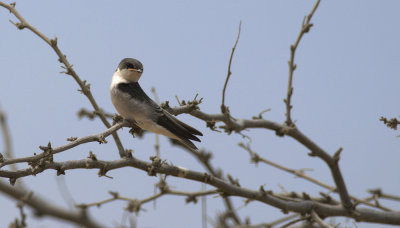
(347, 77)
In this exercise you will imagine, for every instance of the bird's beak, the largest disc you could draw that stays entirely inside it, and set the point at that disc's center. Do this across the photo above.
(137, 70)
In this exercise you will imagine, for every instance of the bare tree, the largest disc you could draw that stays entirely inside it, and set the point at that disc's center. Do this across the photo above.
(305, 210)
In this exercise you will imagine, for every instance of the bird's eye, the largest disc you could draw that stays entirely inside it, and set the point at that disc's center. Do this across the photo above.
(129, 66)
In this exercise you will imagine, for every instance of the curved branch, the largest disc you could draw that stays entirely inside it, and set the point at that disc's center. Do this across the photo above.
(319, 220)
(305, 28)
(48, 151)
(223, 107)
(238, 125)
(191, 197)
(298, 173)
(302, 207)
(62, 58)
(204, 158)
(44, 208)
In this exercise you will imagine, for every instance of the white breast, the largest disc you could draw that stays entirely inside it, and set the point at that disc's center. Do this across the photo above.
(127, 107)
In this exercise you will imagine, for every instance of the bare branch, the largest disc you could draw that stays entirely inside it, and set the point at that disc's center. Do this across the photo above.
(392, 123)
(299, 173)
(289, 224)
(302, 207)
(319, 220)
(315, 207)
(49, 152)
(92, 114)
(62, 58)
(381, 194)
(281, 220)
(204, 158)
(305, 28)
(6, 138)
(239, 125)
(44, 208)
(223, 107)
(157, 137)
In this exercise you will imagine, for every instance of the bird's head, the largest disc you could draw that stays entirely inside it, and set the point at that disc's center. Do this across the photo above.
(130, 69)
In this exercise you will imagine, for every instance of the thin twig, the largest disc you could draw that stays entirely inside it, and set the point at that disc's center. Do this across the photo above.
(391, 123)
(116, 196)
(203, 207)
(92, 114)
(294, 222)
(7, 139)
(318, 220)
(45, 208)
(156, 143)
(381, 194)
(48, 151)
(223, 107)
(157, 139)
(239, 125)
(84, 86)
(305, 28)
(281, 220)
(299, 173)
(8, 146)
(204, 158)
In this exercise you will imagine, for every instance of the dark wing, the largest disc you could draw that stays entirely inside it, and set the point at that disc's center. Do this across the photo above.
(136, 92)
(177, 127)
(187, 127)
(161, 116)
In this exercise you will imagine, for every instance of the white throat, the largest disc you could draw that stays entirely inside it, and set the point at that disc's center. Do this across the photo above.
(117, 79)
(129, 75)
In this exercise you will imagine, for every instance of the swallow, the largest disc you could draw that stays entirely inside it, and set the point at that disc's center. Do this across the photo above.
(133, 104)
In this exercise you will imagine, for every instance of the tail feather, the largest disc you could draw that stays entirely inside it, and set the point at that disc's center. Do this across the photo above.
(185, 143)
(190, 129)
(189, 144)
(178, 128)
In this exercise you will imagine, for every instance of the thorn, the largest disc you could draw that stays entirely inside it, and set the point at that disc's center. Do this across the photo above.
(60, 171)
(13, 4)
(71, 139)
(312, 154)
(12, 181)
(102, 172)
(115, 195)
(128, 153)
(101, 140)
(263, 193)
(92, 156)
(336, 156)
(53, 42)
(306, 196)
(177, 99)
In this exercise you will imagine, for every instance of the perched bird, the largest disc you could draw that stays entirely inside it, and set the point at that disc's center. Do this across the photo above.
(133, 104)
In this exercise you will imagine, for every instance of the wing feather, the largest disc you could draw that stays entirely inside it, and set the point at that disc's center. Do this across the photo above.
(161, 116)
(174, 125)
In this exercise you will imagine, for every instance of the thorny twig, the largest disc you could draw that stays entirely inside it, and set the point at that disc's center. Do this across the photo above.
(223, 107)
(255, 158)
(305, 28)
(62, 58)
(191, 197)
(49, 151)
(392, 123)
